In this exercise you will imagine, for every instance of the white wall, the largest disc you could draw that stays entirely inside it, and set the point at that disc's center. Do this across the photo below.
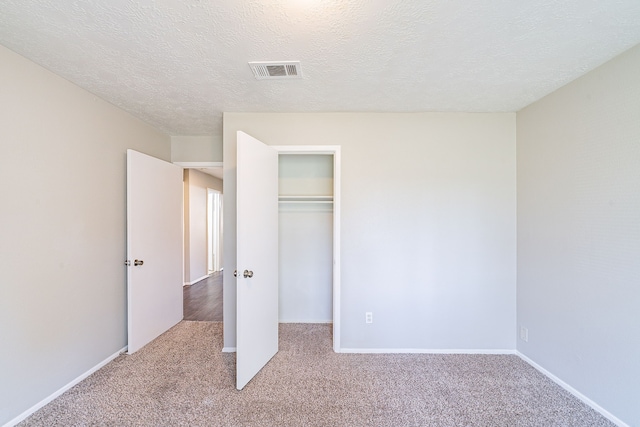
(579, 234)
(196, 184)
(428, 224)
(62, 228)
(305, 280)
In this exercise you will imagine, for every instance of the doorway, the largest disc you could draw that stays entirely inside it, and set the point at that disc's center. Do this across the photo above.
(202, 291)
(305, 238)
(309, 193)
(197, 221)
(214, 230)
(232, 238)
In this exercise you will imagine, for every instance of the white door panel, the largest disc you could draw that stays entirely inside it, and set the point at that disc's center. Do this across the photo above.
(257, 252)
(154, 236)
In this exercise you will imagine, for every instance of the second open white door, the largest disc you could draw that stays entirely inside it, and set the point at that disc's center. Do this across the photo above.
(257, 257)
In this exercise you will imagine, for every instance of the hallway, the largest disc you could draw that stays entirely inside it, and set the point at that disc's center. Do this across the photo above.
(203, 300)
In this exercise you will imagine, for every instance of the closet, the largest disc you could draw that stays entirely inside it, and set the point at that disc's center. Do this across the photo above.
(306, 190)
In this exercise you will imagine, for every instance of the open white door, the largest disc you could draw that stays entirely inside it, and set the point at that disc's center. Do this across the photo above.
(154, 248)
(257, 257)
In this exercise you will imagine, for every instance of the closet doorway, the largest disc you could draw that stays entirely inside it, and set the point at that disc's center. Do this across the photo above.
(309, 235)
(252, 176)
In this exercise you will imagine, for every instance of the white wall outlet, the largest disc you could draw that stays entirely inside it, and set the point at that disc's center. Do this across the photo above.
(524, 334)
(368, 317)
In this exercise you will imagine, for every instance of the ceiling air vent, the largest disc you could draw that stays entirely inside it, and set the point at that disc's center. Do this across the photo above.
(276, 70)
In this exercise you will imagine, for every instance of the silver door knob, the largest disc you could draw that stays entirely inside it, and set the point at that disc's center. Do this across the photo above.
(248, 274)
(235, 273)
(138, 262)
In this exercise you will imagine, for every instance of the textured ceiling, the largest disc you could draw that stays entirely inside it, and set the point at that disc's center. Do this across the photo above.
(178, 64)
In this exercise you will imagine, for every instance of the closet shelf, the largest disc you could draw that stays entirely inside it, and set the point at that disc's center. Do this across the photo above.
(305, 199)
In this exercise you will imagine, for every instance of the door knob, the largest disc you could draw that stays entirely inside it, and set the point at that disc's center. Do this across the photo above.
(235, 273)
(248, 274)
(138, 262)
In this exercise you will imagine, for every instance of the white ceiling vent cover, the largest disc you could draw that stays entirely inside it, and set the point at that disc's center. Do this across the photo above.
(263, 70)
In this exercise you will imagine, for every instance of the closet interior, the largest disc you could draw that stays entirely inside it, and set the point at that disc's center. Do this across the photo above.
(305, 195)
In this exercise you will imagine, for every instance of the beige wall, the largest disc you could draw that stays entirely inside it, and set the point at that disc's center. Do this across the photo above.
(428, 224)
(196, 149)
(195, 231)
(579, 234)
(62, 222)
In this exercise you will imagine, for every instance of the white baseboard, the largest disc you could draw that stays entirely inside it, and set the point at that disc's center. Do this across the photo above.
(306, 321)
(608, 415)
(57, 393)
(197, 280)
(228, 349)
(424, 351)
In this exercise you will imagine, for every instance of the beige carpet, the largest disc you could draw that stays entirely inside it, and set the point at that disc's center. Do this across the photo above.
(183, 379)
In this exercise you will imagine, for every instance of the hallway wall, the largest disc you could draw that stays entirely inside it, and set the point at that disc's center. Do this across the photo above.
(195, 223)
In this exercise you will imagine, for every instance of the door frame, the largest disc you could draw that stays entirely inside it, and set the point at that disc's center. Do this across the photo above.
(333, 150)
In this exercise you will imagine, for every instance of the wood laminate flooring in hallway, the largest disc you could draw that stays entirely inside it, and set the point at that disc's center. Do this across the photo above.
(203, 300)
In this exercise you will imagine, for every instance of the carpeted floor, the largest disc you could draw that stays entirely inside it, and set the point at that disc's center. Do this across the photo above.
(183, 379)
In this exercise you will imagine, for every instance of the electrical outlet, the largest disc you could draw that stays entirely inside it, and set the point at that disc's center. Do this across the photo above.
(368, 317)
(524, 334)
